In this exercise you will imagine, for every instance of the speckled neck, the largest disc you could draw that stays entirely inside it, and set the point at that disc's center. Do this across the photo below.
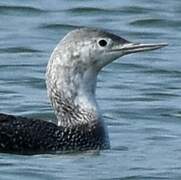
(68, 113)
(71, 89)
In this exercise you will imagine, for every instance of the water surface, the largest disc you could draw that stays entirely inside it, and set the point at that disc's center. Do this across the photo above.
(139, 95)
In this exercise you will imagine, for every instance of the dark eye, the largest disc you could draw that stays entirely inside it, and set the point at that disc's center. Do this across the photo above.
(102, 43)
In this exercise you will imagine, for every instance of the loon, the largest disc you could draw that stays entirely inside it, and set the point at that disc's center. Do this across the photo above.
(71, 83)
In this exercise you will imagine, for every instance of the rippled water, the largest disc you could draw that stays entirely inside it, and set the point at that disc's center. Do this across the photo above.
(139, 94)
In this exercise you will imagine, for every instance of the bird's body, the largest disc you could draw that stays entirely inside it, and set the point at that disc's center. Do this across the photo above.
(31, 136)
(71, 82)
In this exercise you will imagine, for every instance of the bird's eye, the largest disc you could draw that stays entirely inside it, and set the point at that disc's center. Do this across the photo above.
(102, 43)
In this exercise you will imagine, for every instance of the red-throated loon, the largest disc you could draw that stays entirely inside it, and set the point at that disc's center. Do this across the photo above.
(71, 82)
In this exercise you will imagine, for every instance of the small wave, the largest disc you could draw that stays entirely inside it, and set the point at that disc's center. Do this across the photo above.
(154, 23)
(124, 9)
(20, 10)
(87, 10)
(135, 10)
(57, 26)
(18, 50)
(161, 137)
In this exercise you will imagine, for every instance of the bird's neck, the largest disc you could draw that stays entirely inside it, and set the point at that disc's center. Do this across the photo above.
(72, 94)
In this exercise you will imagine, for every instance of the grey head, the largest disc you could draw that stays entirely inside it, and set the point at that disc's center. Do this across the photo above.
(73, 68)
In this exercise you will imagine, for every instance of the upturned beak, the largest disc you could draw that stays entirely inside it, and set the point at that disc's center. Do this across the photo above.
(129, 47)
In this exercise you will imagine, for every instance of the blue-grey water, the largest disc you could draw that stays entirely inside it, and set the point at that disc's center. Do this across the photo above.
(139, 94)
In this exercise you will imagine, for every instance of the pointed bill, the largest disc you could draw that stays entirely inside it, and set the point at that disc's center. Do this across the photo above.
(129, 48)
